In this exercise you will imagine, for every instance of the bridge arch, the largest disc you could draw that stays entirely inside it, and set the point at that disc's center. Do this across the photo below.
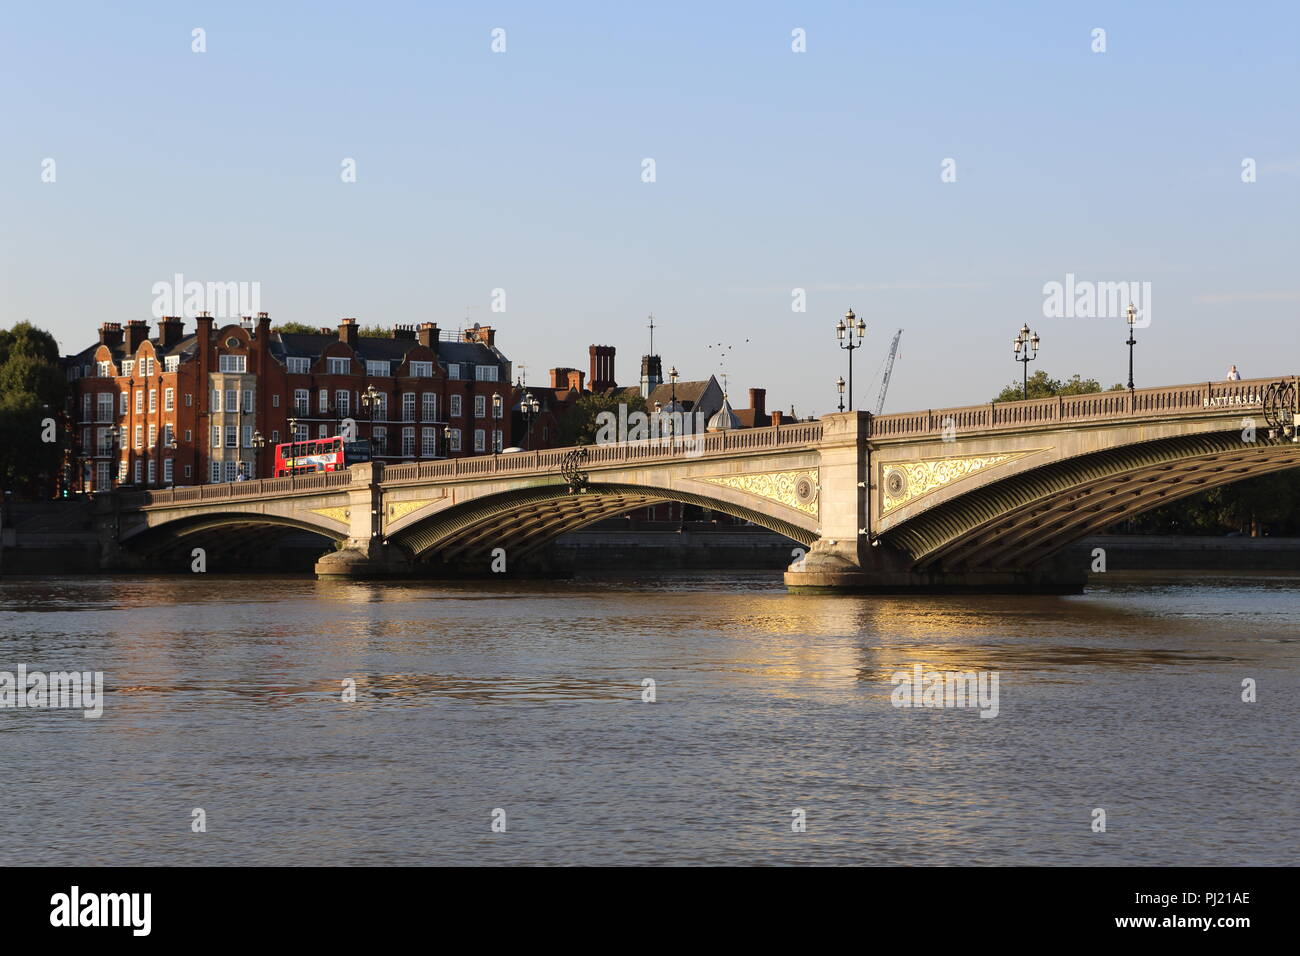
(524, 520)
(1018, 521)
(222, 535)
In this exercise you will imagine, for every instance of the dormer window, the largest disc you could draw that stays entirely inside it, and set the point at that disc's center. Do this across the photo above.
(299, 366)
(233, 363)
(340, 366)
(422, 369)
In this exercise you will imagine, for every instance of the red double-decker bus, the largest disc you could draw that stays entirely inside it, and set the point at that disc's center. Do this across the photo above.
(319, 454)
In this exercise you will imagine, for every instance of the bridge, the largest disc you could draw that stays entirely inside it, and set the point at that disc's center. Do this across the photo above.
(983, 497)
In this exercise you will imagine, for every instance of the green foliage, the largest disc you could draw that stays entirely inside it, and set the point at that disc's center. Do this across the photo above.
(1267, 503)
(1041, 385)
(296, 328)
(578, 426)
(32, 390)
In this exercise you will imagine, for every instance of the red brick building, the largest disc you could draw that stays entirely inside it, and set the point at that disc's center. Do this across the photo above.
(212, 405)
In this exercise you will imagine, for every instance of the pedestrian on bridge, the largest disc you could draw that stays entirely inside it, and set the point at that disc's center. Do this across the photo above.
(1233, 374)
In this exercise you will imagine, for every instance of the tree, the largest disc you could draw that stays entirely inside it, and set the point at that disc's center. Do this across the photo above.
(1041, 385)
(32, 394)
(296, 328)
(579, 427)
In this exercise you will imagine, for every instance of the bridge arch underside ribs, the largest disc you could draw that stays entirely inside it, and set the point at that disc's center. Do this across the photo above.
(1015, 523)
(524, 521)
(234, 540)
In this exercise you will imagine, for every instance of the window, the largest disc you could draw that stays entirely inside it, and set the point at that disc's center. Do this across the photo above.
(340, 366)
(299, 366)
(324, 431)
(85, 438)
(188, 437)
(187, 471)
(231, 470)
(247, 468)
(102, 473)
(139, 465)
(139, 401)
(128, 368)
(380, 369)
(480, 440)
(454, 403)
(323, 400)
(85, 406)
(232, 363)
(408, 406)
(301, 402)
(169, 399)
(496, 439)
(216, 399)
(480, 406)
(153, 436)
(422, 369)
(453, 370)
(139, 436)
(408, 442)
(189, 399)
(104, 407)
(124, 403)
(485, 373)
(153, 470)
(248, 401)
(102, 444)
(453, 443)
(104, 369)
(216, 436)
(275, 436)
(172, 363)
(342, 404)
(169, 471)
(232, 400)
(153, 400)
(167, 434)
(147, 364)
(215, 474)
(121, 472)
(275, 400)
(246, 438)
(498, 406)
(380, 408)
(429, 407)
(232, 437)
(301, 432)
(379, 440)
(428, 444)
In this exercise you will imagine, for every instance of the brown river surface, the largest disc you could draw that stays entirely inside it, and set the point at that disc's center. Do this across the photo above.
(225, 693)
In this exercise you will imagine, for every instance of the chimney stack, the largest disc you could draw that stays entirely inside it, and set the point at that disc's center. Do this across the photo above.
(264, 325)
(348, 332)
(575, 379)
(110, 334)
(171, 329)
(758, 402)
(137, 331)
(602, 367)
(776, 417)
(428, 335)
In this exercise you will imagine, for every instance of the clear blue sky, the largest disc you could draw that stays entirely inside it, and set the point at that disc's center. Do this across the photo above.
(775, 170)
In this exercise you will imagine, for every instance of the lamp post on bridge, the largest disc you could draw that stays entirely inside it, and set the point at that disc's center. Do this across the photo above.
(839, 387)
(847, 329)
(1026, 350)
(529, 406)
(1132, 320)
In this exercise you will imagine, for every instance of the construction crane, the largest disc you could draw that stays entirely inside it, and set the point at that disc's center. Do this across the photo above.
(889, 370)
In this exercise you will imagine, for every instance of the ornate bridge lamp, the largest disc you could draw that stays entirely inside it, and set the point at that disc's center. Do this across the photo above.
(529, 406)
(259, 442)
(839, 387)
(113, 434)
(1282, 411)
(446, 441)
(1026, 350)
(845, 331)
(1132, 320)
(172, 445)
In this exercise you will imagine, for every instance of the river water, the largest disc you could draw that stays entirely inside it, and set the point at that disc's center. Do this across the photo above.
(225, 694)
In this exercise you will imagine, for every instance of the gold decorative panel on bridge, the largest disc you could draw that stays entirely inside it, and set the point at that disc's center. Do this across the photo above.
(902, 482)
(795, 489)
(400, 509)
(337, 514)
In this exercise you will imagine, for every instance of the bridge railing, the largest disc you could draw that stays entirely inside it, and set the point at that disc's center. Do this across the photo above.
(1094, 407)
(238, 489)
(552, 459)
